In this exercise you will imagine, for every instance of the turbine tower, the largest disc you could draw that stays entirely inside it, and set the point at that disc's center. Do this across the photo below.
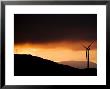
(87, 52)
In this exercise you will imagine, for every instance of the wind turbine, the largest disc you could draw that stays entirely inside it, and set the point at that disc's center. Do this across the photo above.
(87, 52)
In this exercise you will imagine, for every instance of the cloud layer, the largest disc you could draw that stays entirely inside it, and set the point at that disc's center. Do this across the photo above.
(49, 28)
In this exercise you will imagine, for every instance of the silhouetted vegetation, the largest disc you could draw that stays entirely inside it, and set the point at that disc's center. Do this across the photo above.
(28, 65)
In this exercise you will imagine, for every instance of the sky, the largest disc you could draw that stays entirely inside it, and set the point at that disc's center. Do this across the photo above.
(56, 37)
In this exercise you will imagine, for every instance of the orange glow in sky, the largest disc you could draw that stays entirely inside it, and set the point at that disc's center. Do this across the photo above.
(56, 51)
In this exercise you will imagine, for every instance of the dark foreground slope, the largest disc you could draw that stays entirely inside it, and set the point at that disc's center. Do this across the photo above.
(27, 65)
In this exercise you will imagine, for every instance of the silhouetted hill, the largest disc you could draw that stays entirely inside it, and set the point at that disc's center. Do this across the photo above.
(28, 65)
(79, 64)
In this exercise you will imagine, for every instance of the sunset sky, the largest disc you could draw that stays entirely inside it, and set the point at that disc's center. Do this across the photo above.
(56, 37)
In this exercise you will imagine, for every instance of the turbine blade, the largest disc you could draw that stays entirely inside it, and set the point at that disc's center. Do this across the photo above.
(91, 44)
(84, 46)
(86, 54)
(88, 58)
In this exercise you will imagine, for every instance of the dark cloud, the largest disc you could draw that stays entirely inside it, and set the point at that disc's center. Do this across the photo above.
(44, 28)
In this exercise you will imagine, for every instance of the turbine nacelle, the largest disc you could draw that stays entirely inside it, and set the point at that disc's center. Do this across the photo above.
(87, 48)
